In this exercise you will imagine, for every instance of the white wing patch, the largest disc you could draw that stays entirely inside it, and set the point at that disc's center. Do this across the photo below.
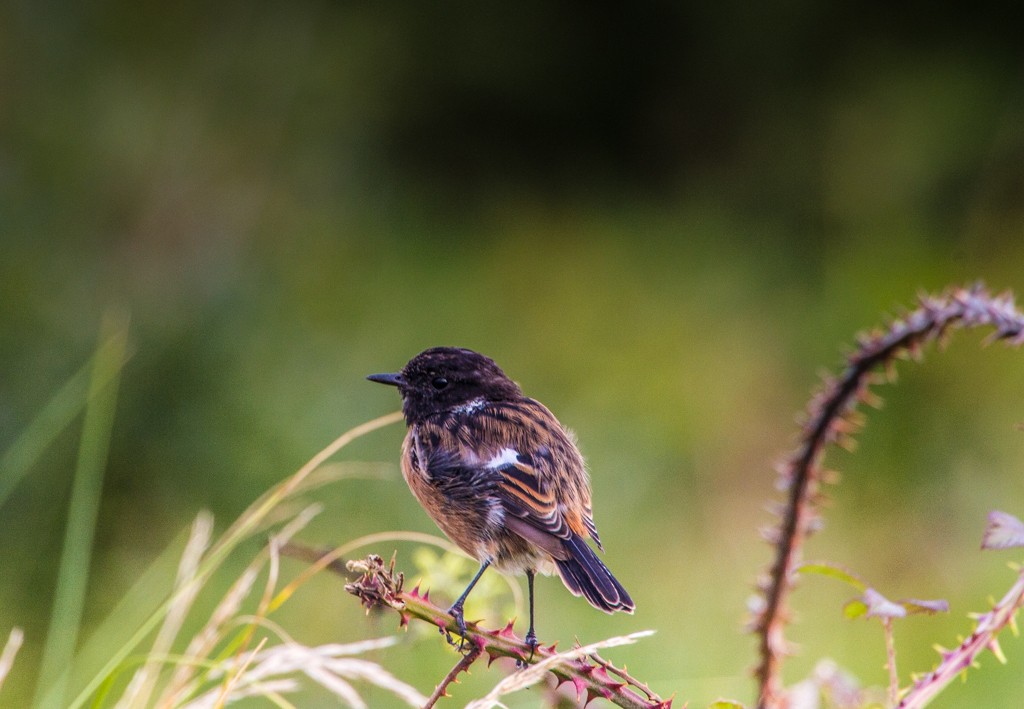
(505, 457)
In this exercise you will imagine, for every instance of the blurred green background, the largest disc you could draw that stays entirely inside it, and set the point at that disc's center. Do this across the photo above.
(663, 220)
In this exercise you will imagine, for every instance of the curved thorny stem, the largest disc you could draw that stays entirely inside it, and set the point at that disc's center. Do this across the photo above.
(832, 418)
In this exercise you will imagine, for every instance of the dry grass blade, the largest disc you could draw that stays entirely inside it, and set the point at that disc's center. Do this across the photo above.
(258, 510)
(202, 643)
(142, 684)
(266, 689)
(234, 678)
(328, 559)
(534, 673)
(330, 666)
(345, 470)
(206, 640)
(242, 529)
(277, 542)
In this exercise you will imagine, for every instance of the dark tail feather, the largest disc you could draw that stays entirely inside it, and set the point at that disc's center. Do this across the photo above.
(585, 575)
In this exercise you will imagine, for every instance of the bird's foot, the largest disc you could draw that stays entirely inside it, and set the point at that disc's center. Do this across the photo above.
(532, 642)
(456, 612)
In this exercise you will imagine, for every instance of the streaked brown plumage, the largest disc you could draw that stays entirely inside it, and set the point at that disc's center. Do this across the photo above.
(499, 475)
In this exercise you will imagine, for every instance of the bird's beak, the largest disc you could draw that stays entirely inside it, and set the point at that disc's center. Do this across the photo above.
(394, 380)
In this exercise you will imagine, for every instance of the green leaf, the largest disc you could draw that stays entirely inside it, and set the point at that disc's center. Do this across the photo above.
(855, 609)
(825, 568)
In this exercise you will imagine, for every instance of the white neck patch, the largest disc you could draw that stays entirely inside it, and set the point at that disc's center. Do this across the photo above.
(470, 406)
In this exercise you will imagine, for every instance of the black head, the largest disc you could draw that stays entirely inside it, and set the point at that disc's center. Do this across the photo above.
(444, 378)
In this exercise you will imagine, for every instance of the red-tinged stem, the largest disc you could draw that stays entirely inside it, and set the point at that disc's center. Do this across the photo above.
(890, 661)
(380, 586)
(461, 666)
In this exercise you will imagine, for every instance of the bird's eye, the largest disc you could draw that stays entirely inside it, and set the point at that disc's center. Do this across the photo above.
(439, 383)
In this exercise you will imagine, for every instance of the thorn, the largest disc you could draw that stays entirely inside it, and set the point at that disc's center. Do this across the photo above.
(870, 398)
(606, 680)
(508, 632)
(830, 476)
(783, 467)
(993, 645)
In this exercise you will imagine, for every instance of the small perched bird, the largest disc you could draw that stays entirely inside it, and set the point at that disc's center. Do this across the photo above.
(500, 476)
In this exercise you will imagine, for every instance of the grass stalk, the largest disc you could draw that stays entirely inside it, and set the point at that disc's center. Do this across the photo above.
(56, 416)
(73, 572)
(248, 523)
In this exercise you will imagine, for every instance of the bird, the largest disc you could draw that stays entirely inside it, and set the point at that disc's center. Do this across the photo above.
(501, 477)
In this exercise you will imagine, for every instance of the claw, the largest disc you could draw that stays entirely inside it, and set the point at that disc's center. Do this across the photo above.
(531, 641)
(456, 612)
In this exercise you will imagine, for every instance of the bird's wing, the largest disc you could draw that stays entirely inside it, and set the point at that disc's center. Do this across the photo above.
(532, 508)
(521, 459)
(524, 494)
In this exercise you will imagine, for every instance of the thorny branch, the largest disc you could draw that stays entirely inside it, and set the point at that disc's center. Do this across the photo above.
(955, 661)
(591, 676)
(832, 417)
(461, 666)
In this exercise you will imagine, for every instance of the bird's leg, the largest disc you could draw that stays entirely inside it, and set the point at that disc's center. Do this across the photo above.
(531, 635)
(456, 610)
